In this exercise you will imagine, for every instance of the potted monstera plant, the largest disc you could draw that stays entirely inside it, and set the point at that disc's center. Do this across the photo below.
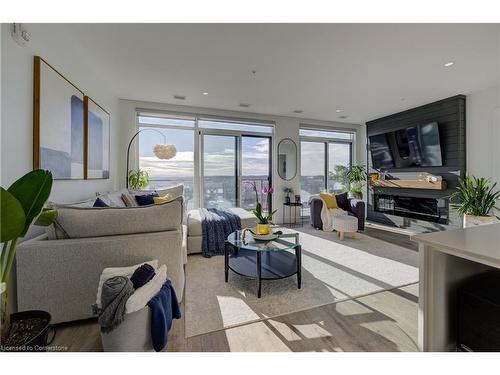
(475, 199)
(21, 205)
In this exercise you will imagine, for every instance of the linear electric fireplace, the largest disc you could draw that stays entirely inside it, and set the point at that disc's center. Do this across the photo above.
(428, 209)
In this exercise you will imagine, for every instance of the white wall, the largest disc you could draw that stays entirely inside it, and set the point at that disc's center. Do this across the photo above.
(285, 127)
(17, 107)
(483, 133)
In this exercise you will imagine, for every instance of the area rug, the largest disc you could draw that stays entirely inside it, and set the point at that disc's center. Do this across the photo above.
(333, 270)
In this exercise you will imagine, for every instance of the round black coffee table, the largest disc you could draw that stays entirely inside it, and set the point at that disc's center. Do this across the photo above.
(263, 260)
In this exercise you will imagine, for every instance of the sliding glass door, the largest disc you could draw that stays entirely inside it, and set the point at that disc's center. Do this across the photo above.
(255, 168)
(220, 171)
(229, 161)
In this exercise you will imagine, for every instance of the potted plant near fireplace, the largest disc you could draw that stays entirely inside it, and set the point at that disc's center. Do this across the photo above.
(357, 178)
(476, 199)
(21, 205)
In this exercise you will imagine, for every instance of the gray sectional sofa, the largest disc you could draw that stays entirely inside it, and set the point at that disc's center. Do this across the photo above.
(59, 271)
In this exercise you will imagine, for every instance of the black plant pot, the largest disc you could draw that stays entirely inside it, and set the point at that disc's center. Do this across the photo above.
(29, 331)
(287, 199)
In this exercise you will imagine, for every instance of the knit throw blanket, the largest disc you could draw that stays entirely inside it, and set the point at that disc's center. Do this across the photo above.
(115, 293)
(216, 225)
(164, 307)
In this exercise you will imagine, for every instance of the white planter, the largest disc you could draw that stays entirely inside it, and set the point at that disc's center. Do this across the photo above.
(472, 221)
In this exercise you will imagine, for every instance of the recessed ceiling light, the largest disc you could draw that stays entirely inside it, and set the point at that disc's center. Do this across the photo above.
(205, 93)
(298, 111)
(448, 64)
(244, 105)
(179, 97)
(338, 110)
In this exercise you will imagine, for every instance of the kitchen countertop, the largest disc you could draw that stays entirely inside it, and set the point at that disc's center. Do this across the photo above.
(480, 244)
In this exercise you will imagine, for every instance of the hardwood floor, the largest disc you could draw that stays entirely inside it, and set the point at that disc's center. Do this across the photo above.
(383, 321)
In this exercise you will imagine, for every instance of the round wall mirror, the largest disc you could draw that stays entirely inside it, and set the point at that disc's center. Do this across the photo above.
(287, 159)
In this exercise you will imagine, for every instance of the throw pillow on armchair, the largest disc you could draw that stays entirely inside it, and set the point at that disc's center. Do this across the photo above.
(330, 200)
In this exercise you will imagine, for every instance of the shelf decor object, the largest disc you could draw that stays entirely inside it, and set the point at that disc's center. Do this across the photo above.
(410, 184)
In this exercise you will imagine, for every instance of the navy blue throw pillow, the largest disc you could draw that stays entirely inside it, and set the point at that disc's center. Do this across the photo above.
(99, 203)
(146, 199)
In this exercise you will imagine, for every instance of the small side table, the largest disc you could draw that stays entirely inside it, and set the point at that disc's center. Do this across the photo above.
(295, 205)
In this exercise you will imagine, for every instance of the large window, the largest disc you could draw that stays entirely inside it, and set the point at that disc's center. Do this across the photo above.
(325, 157)
(339, 161)
(214, 158)
(179, 169)
(312, 168)
(235, 126)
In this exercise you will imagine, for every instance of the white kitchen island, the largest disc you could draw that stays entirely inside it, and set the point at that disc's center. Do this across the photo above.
(447, 259)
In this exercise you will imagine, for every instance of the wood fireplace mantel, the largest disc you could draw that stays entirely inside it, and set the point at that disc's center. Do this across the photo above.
(410, 184)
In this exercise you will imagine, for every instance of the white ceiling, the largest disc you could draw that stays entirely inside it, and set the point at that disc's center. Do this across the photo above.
(367, 70)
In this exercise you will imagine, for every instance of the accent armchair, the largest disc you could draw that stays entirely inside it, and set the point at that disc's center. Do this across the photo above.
(354, 207)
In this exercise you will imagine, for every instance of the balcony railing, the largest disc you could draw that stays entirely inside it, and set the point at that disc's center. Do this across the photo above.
(220, 191)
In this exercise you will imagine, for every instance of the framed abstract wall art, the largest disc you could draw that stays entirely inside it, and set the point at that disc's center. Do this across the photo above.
(96, 121)
(70, 131)
(58, 124)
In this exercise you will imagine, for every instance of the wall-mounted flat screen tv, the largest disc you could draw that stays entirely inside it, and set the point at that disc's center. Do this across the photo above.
(416, 146)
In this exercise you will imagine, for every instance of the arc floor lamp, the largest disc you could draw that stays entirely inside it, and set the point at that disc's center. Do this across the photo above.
(161, 151)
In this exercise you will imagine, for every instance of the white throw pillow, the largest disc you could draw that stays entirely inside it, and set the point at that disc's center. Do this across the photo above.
(143, 295)
(110, 272)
